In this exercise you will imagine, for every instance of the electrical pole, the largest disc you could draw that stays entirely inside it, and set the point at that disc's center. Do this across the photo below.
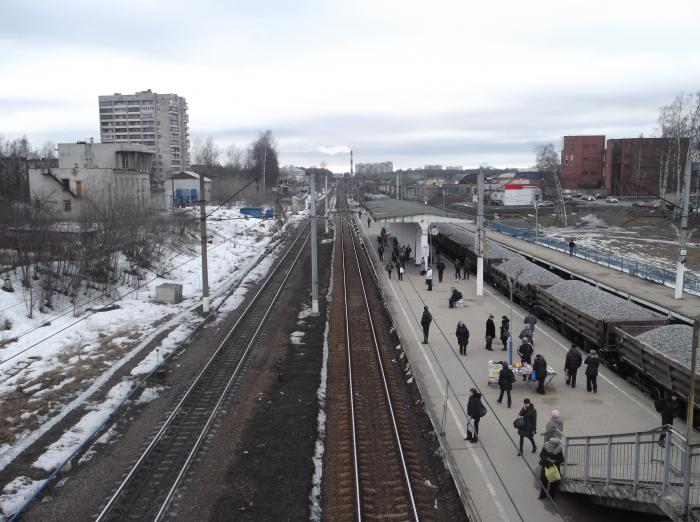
(537, 233)
(314, 261)
(263, 169)
(683, 233)
(398, 186)
(693, 367)
(203, 233)
(480, 238)
(325, 177)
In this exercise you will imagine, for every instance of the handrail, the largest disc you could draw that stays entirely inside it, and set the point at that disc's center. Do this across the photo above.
(643, 270)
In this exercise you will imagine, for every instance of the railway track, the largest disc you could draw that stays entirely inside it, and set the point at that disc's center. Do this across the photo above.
(373, 471)
(148, 488)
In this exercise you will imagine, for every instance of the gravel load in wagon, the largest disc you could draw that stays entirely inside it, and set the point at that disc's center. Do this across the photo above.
(673, 341)
(598, 303)
(527, 273)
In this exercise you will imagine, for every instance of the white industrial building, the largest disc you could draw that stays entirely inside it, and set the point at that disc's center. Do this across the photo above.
(92, 179)
(183, 189)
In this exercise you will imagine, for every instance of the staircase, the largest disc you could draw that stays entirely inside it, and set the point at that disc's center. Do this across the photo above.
(634, 471)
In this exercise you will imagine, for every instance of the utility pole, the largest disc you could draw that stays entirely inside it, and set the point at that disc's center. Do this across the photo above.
(693, 367)
(325, 177)
(683, 233)
(398, 186)
(537, 228)
(263, 169)
(351, 167)
(480, 238)
(203, 233)
(314, 261)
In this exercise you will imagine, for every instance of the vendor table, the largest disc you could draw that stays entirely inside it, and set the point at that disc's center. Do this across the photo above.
(523, 370)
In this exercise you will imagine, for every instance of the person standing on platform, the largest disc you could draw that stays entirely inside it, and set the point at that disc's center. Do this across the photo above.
(389, 267)
(458, 267)
(475, 410)
(530, 320)
(505, 332)
(572, 246)
(529, 415)
(440, 268)
(526, 335)
(423, 266)
(571, 365)
(669, 411)
(592, 364)
(462, 334)
(380, 251)
(506, 378)
(425, 321)
(539, 366)
(490, 332)
(408, 252)
(554, 424)
(400, 272)
(455, 297)
(551, 455)
(369, 221)
(429, 279)
(525, 351)
(466, 268)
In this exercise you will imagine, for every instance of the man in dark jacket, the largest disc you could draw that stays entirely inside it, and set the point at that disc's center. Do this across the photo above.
(380, 251)
(592, 364)
(669, 411)
(474, 411)
(506, 378)
(425, 321)
(454, 297)
(466, 268)
(505, 332)
(551, 455)
(490, 332)
(458, 267)
(440, 265)
(540, 369)
(525, 351)
(530, 320)
(571, 365)
(529, 415)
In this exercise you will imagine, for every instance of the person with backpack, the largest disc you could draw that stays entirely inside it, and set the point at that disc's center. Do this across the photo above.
(462, 334)
(572, 363)
(425, 321)
(475, 410)
(526, 424)
(592, 363)
(506, 378)
(505, 332)
(551, 459)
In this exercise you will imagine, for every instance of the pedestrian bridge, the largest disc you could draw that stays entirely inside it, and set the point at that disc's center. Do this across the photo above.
(634, 471)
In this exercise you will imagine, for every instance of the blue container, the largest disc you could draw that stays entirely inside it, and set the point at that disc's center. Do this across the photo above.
(252, 212)
(270, 213)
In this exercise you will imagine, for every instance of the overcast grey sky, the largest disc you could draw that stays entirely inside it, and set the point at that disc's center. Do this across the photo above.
(450, 82)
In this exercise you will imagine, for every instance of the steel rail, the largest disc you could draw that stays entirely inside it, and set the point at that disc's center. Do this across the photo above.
(168, 422)
(387, 394)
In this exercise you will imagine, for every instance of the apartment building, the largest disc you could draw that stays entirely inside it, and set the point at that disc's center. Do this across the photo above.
(384, 167)
(158, 121)
(583, 162)
(93, 179)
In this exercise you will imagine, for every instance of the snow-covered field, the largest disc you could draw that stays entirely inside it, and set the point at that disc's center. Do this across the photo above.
(60, 360)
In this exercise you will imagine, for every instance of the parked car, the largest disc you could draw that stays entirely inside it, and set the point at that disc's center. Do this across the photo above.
(546, 203)
(589, 198)
(579, 195)
(568, 197)
(600, 196)
(638, 203)
(612, 200)
(651, 204)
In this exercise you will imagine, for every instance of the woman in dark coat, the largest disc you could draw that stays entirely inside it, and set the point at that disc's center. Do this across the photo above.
(572, 364)
(592, 364)
(474, 407)
(540, 369)
(551, 454)
(529, 415)
(506, 378)
(462, 334)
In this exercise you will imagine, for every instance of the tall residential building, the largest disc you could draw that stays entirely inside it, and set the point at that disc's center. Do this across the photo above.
(645, 166)
(583, 162)
(385, 167)
(156, 120)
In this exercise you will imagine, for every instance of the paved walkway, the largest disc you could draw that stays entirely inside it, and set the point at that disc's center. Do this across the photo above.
(501, 485)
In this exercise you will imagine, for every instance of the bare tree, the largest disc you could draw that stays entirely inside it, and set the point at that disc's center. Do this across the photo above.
(262, 158)
(234, 157)
(549, 161)
(48, 150)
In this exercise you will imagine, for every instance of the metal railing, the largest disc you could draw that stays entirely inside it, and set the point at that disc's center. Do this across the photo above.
(641, 269)
(658, 461)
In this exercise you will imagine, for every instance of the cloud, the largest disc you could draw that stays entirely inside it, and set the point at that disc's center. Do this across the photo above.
(333, 150)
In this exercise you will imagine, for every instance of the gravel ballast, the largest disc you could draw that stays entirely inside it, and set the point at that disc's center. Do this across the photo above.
(598, 303)
(674, 341)
(466, 238)
(527, 273)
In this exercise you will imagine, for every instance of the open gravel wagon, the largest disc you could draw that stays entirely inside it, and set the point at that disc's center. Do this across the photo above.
(658, 358)
(589, 315)
(526, 277)
(458, 243)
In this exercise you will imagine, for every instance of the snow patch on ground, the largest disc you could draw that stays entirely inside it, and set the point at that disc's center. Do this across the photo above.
(149, 394)
(16, 493)
(295, 337)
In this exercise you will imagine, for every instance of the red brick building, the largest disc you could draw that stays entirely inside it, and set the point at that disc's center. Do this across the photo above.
(583, 162)
(634, 166)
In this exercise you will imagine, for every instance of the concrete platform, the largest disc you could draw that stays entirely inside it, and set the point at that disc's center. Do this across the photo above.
(498, 484)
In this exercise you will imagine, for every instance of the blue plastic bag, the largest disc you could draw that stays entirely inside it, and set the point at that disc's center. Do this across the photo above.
(533, 376)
